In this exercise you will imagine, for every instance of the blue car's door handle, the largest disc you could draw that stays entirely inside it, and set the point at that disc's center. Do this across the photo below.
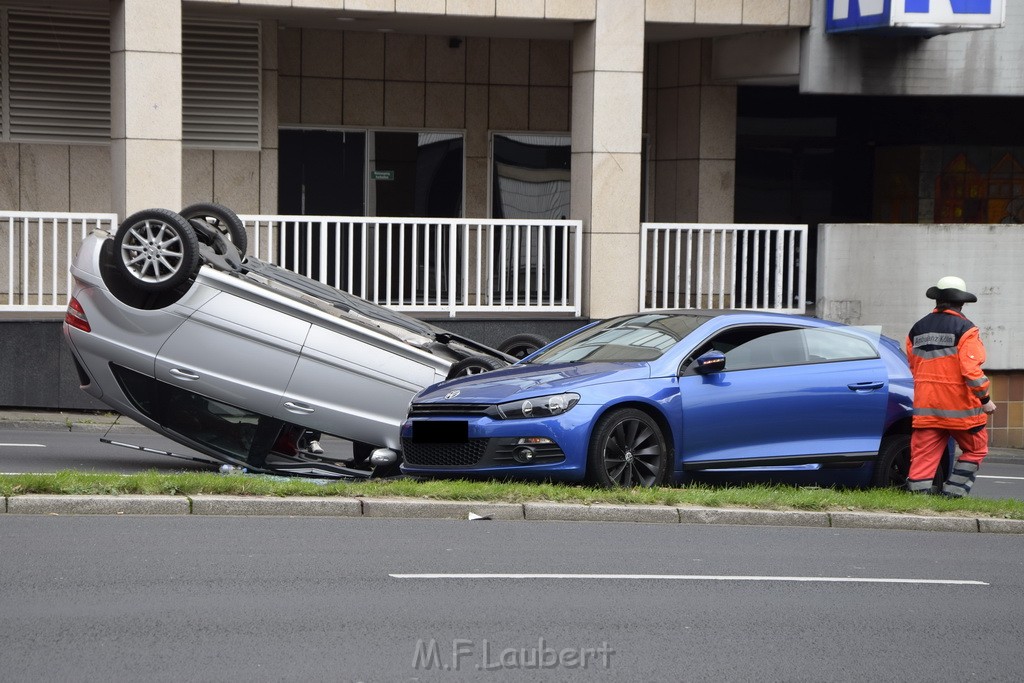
(865, 386)
(183, 374)
(300, 408)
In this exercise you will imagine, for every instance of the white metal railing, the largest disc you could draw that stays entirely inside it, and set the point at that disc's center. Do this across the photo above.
(719, 266)
(36, 249)
(409, 264)
(432, 265)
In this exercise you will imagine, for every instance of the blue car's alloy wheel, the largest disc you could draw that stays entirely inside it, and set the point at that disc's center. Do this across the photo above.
(893, 464)
(627, 449)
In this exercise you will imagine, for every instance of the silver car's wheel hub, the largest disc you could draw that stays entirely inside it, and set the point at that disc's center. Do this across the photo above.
(152, 251)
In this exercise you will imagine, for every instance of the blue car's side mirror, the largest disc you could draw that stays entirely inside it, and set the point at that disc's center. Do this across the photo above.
(709, 363)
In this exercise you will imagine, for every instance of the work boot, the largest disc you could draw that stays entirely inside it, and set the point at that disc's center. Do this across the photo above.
(921, 486)
(960, 479)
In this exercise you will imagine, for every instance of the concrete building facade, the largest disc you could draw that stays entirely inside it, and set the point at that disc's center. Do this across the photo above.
(652, 110)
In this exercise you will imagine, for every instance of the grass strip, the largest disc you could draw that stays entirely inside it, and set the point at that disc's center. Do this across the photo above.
(766, 497)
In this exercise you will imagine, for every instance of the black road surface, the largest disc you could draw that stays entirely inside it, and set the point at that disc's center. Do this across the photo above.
(138, 598)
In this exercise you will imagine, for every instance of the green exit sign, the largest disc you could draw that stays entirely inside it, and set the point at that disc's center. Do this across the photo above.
(382, 175)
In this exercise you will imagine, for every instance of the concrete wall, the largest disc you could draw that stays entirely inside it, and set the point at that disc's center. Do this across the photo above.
(877, 274)
(985, 62)
(37, 369)
(54, 177)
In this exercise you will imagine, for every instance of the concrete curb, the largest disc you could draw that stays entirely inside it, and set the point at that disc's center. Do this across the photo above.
(47, 504)
(876, 520)
(413, 508)
(406, 508)
(569, 512)
(72, 422)
(987, 525)
(292, 506)
(755, 517)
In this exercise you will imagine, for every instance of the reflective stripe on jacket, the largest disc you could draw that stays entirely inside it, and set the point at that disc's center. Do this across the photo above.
(946, 355)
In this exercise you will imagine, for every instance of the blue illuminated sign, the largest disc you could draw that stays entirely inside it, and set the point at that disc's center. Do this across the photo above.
(913, 16)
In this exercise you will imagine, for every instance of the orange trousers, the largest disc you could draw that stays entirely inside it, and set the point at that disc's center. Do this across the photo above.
(928, 447)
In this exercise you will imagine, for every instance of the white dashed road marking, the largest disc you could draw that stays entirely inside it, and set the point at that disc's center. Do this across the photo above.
(697, 577)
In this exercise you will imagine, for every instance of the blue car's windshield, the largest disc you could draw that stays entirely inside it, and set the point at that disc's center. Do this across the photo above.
(633, 338)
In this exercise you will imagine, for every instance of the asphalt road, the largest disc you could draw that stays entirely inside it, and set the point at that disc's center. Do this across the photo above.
(53, 450)
(300, 599)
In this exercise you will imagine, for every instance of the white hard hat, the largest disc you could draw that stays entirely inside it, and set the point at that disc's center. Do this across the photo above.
(951, 289)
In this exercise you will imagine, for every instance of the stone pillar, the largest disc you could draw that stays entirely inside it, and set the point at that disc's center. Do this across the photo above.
(145, 94)
(607, 126)
(268, 120)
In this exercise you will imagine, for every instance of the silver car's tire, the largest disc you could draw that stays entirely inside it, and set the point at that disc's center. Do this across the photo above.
(522, 345)
(629, 450)
(474, 365)
(156, 250)
(222, 219)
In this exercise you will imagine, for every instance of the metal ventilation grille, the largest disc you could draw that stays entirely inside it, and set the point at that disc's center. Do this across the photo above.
(57, 77)
(221, 85)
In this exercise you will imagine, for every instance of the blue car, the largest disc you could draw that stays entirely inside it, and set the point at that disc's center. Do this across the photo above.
(672, 396)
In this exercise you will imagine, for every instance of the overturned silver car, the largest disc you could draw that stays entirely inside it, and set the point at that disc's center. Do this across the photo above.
(173, 326)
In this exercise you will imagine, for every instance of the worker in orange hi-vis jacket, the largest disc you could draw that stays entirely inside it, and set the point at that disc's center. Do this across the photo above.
(951, 391)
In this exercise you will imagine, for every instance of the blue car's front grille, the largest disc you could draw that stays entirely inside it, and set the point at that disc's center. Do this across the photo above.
(444, 454)
(474, 453)
(421, 409)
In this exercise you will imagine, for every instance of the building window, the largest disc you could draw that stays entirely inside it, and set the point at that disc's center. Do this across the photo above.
(530, 176)
(370, 173)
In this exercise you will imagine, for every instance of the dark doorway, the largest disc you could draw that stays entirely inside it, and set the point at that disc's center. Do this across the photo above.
(321, 174)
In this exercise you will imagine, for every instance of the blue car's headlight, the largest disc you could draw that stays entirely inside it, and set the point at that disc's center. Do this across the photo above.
(541, 406)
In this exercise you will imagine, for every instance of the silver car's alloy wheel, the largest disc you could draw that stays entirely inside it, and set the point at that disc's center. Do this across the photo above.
(628, 449)
(157, 249)
(522, 345)
(474, 365)
(152, 251)
(223, 220)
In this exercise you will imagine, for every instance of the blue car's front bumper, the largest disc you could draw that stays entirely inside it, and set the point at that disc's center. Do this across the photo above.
(490, 446)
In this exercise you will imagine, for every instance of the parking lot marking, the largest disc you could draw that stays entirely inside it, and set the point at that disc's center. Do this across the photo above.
(24, 445)
(698, 577)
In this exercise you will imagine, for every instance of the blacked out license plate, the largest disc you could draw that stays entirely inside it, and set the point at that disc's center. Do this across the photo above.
(441, 431)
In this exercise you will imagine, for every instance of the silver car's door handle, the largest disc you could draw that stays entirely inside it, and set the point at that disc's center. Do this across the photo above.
(300, 408)
(184, 374)
(865, 386)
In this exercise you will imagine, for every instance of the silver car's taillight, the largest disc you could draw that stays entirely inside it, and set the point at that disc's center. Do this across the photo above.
(75, 317)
